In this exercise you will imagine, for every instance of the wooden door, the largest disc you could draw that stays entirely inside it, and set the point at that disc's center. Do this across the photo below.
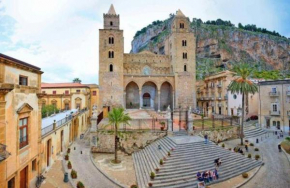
(61, 140)
(23, 178)
(48, 151)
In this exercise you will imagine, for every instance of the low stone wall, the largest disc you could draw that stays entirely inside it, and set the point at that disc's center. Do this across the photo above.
(130, 141)
(220, 134)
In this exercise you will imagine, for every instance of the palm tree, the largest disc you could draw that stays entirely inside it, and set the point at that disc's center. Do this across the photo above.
(76, 80)
(116, 117)
(243, 86)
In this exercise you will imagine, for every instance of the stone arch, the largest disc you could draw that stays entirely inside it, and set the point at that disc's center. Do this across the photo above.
(54, 103)
(166, 97)
(151, 88)
(132, 95)
(78, 103)
(66, 103)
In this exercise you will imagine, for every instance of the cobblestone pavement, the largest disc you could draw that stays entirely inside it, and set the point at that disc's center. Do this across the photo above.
(87, 172)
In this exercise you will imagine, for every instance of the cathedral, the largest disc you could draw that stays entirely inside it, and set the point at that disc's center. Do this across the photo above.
(146, 80)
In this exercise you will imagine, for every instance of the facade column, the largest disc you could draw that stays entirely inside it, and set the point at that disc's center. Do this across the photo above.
(159, 100)
(140, 95)
(124, 100)
(173, 100)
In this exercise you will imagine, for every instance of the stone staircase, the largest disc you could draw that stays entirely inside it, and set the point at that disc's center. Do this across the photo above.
(180, 133)
(179, 170)
(250, 131)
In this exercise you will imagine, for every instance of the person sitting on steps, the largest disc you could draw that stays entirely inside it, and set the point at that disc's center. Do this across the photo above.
(198, 176)
(218, 162)
(205, 177)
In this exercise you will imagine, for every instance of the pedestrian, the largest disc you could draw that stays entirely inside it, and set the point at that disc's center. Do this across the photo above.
(205, 139)
(281, 134)
(279, 148)
(216, 173)
(246, 147)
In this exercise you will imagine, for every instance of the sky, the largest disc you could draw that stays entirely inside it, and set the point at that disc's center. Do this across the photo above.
(62, 36)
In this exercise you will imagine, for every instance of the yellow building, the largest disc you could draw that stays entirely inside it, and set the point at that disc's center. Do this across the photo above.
(212, 93)
(20, 122)
(65, 96)
(274, 104)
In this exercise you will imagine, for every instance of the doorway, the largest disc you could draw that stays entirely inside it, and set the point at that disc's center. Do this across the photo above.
(48, 152)
(23, 178)
(278, 124)
(268, 123)
(146, 100)
(11, 183)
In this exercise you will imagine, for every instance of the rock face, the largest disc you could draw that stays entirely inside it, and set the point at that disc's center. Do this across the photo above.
(223, 46)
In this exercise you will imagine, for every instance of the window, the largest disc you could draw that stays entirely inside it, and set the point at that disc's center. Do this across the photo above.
(11, 183)
(274, 89)
(23, 132)
(23, 80)
(111, 68)
(54, 92)
(184, 68)
(274, 123)
(220, 110)
(78, 91)
(111, 54)
(275, 107)
(111, 40)
(66, 92)
(235, 96)
(183, 42)
(184, 55)
(34, 165)
(94, 93)
(181, 25)
(111, 23)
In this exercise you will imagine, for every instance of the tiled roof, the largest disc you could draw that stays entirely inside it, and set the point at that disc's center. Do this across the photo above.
(62, 85)
(19, 62)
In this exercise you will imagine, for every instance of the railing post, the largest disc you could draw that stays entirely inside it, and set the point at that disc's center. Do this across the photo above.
(54, 125)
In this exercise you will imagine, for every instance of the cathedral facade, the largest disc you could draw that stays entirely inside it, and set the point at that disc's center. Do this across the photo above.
(147, 80)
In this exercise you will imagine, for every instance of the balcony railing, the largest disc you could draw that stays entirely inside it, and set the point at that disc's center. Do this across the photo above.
(274, 113)
(3, 153)
(288, 93)
(274, 94)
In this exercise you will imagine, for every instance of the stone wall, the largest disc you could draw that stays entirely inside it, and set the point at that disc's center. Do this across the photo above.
(130, 141)
(220, 134)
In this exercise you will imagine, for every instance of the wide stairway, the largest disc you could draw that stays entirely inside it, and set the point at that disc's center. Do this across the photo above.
(179, 170)
(250, 131)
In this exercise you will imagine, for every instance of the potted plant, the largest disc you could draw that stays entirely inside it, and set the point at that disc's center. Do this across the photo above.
(223, 145)
(66, 157)
(68, 150)
(80, 184)
(168, 153)
(69, 166)
(74, 174)
(256, 149)
(157, 169)
(152, 175)
(161, 162)
(245, 175)
(162, 123)
(257, 157)
(249, 155)
(251, 144)
(134, 186)
(150, 184)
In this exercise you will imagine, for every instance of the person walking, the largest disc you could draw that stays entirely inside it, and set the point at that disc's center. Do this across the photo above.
(246, 147)
(279, 147)
(205, 139)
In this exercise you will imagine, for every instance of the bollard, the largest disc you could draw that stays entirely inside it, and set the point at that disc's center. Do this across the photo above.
(257, 140)
(65, 179)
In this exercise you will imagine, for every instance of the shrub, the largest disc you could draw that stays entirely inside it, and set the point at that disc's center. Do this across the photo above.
(169, 153)
(150, 184)
(249, 155)
(74, 174)
(287, 138)
(161, 162)
(66, 157)
(69, 166)
(245, 175)
(80, 184)
(251, 144)
(256, 149)
(257, 157)
(223, 145)
(152, 175)
(157, 169)
(134, 186)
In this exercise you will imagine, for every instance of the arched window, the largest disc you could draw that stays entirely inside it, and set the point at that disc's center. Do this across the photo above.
(184, 68)
(111, 40)
(184, 55)
(183, 42)
(111, 54)
(111, 68)
(181, 25)
(111, 23)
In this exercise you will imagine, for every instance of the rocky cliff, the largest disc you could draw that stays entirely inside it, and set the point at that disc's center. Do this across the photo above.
(221, 47)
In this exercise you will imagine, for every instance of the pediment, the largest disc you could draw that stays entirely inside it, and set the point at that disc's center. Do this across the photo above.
(24, 108)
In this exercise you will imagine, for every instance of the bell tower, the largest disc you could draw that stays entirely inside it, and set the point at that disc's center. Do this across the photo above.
(181, 47)
(111, 52)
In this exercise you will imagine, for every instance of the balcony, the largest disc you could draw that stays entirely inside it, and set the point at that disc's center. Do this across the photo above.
(288, 93)
(3, 153)
(274, 113)
(219, 86)
(274, 94)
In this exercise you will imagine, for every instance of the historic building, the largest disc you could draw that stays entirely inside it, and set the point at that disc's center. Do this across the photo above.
(66, 96)
(274, 104)
(147, 80)
(20, 122)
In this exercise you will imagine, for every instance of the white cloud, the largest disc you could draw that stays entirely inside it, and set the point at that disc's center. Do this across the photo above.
(61, 36)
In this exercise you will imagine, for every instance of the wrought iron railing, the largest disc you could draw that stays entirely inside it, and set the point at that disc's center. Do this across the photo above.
(274, 94)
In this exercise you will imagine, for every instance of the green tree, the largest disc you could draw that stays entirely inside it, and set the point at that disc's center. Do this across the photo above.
(116, 117)
(48, 110)
(243, 86)
(77, 80)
